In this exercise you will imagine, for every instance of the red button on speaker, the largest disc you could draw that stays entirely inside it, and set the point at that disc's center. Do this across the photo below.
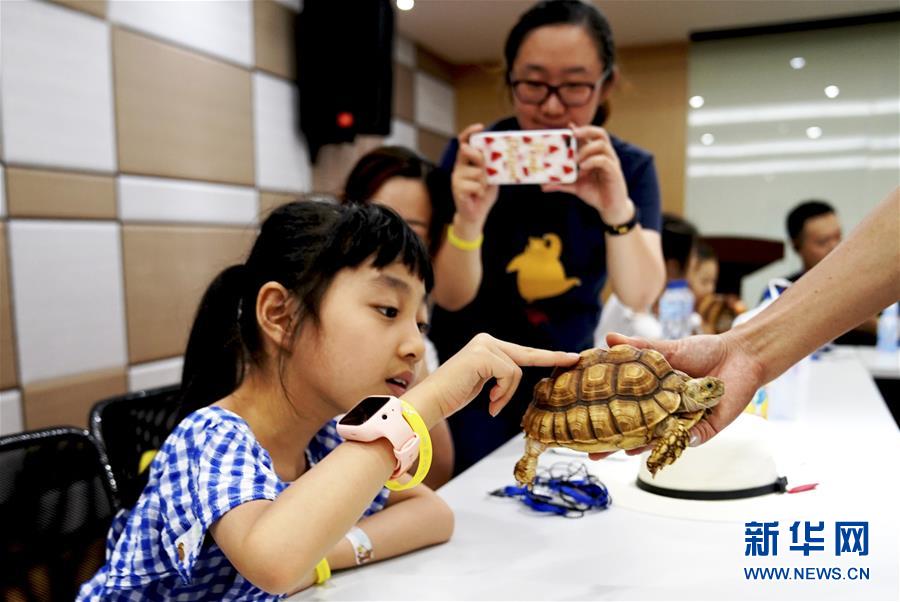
(345, 119)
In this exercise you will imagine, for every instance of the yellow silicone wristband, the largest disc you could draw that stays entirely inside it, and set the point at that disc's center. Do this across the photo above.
(323, 571)
(461, 244)
(418, 426)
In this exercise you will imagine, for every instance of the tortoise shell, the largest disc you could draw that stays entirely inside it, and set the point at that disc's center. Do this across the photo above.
(611, 399)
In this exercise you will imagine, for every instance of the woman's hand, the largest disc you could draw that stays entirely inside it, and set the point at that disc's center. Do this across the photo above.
(600, 183)
(462, 377)
(471, 193)
(707, 355)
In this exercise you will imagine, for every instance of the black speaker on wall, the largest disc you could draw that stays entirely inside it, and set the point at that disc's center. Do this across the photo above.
(344, 70)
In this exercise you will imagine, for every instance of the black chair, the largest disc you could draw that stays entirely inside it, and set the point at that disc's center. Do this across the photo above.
(129, 425)
(57, 500)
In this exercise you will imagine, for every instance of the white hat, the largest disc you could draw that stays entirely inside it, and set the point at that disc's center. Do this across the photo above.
(736, 463)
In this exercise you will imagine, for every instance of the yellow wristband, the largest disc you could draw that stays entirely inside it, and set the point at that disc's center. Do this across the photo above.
(418, 426)
(323, 572)
(463, 245)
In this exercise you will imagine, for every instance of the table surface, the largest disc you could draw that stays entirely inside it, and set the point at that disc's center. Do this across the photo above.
(842, 437)
(880, 364)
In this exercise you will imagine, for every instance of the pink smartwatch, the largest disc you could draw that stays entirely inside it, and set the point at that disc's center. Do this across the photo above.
(380, 416)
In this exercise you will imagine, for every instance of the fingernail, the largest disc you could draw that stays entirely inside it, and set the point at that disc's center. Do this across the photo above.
(695, 440)
(573, 356)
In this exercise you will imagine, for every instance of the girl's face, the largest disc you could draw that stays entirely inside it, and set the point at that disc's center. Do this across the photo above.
(702, 277)
(557, 55)
(369, 339)
(409, 198)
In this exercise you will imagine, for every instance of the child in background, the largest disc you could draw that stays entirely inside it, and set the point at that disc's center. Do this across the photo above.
(678, 238)
(703, 270)
(398, 178)
(255, 494)
(717, 311)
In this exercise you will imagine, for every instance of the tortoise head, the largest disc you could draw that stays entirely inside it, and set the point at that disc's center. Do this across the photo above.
(702, 393)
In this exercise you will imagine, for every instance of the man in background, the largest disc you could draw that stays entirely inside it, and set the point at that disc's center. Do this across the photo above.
(814, 230)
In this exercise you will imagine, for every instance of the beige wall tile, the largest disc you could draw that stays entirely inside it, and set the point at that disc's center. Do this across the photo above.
(268, 201)
(68, 400)
(8, 377)
(274, 37)
(336, 160)
(481, 95)
(649, 109)
(42, 193)
(433, 65)
(94, 7)
(432, 145)
(403, 92)
(180, 114)
(167, 269)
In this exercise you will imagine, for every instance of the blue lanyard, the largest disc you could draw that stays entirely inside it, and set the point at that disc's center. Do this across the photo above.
(561, 494)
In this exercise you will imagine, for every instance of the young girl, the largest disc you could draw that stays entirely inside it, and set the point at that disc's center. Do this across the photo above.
(251, 496)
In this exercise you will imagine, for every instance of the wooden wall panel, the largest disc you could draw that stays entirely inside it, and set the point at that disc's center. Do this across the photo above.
(52, 194)
(167, 269)
(8, 376)
(68, 400)
(180, 114)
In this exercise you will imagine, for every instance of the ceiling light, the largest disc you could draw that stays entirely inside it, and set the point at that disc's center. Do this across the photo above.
(798, 62)
(707, 139)
(832, 91)
(814, 132)
(406, 4)
(696, 101)
(823, 109)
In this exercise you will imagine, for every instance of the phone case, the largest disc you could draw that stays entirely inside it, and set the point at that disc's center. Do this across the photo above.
(528, 157)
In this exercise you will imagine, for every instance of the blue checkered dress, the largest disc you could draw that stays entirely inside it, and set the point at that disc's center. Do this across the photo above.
(159, 550)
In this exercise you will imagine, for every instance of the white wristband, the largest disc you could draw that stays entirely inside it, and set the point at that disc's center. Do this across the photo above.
(361, 544)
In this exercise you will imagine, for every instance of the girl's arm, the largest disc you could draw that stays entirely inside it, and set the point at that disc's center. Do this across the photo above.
(275, 544)
(412, 519)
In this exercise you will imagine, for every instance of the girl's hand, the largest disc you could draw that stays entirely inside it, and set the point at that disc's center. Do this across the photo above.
(471, 193)
(600, 183)
(707, 355)
(461, 378)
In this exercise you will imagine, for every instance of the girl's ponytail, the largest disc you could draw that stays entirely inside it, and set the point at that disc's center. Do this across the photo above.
(214, 359)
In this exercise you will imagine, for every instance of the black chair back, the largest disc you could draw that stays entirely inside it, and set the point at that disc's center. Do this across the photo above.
(129, 425)
(57, 500)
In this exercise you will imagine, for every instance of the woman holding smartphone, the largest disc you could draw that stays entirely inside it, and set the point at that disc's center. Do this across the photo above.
(527, 263)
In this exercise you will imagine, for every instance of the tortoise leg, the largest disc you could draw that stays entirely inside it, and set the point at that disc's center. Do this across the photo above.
(672, 441)
(527, 465)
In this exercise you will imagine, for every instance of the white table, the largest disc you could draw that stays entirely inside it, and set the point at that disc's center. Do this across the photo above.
(879, 363)
(843, 438)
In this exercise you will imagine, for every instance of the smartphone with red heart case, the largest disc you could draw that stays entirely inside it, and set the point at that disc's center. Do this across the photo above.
(528, 157)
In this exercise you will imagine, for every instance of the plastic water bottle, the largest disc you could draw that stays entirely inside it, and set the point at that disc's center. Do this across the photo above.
(675, 309)
(887, 329)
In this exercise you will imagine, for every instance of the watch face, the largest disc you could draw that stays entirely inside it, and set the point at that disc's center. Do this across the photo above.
(364, 410)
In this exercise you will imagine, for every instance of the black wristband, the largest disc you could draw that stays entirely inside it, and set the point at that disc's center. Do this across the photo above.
(623, 228)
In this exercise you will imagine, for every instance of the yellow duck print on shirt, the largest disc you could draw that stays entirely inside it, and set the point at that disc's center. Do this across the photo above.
(540, 273)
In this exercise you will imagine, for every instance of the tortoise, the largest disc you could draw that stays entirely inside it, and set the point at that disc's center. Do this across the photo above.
(618, 398)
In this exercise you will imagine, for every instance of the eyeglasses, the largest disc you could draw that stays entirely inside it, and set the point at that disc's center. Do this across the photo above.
(531, 92)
